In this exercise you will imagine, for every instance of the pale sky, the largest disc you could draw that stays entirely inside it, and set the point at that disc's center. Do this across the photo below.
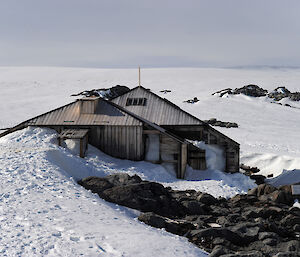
(152, 33)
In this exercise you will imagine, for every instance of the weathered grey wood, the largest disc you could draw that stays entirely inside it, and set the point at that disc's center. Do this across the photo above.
(183, 162)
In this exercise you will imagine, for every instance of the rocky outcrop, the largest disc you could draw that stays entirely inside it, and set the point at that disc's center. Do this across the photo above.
(218, 123)
(255, 91)
(107, 93)
(260, 223)
(249, 90)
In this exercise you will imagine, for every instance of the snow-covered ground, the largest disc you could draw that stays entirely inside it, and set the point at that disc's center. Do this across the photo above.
(43, 210)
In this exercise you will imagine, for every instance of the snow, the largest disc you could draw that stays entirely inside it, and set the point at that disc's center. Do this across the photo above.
(43, 212)
(214, 155)
(287, 177)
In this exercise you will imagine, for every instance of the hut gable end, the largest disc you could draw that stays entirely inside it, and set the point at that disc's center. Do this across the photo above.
(152, 107)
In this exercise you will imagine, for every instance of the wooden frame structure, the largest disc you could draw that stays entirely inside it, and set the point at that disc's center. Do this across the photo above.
(76, 134)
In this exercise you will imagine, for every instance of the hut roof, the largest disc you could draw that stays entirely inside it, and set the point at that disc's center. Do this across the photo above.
(160, 110)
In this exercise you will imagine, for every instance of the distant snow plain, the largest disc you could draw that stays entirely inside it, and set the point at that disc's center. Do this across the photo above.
(44, 212)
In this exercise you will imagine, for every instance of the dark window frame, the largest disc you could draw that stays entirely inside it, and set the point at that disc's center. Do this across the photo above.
(137, 101)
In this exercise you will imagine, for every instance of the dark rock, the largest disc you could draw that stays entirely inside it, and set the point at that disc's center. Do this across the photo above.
(259, 179)
(206, 235)
(218, 123)
(146, 197)
(193, 207)
(286, 254)
(244, 254)
(248, 231)
(108, 93)
(295, 96)
(218, 251)
(95, 184)
(283, 195)
(153, 220)
(192, 101)
(290, 220)
(296, 228)
(120, 179)
(293, 246)
(295, 211)
(265, 235)
(223, 92)
(178, 227)
(279, 93)
(270, 241)
(207, 199)
(251, 90)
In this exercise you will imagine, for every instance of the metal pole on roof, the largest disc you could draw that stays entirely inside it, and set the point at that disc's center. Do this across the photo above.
(139, 76)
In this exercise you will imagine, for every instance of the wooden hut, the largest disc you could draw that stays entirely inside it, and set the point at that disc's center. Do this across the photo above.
(138, 125)
(169, 116)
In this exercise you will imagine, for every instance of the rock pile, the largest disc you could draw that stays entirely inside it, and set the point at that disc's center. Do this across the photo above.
(260, 223)
(108, 93)
(249, 90)
(255, 91)
(251, 172)
(218, 123)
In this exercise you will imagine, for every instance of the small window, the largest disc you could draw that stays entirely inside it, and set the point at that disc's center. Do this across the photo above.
(136, 101)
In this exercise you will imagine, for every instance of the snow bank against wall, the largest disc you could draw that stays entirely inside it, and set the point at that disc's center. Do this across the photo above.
(214, 154)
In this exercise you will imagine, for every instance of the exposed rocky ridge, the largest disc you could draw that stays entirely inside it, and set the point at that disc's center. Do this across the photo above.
(260, 223)
(107, 93)
(224, 124)
(255, 91)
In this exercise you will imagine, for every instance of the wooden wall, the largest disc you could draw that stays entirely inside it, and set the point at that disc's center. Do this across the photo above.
(212, 137)
(125, 142)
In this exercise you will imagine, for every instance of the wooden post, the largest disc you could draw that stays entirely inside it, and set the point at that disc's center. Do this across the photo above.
(81, 148)
(139, 76)
(183, 162)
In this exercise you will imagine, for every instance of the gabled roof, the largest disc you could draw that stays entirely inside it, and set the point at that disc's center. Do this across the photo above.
(157, 115)
(106, 113)
(157, 110)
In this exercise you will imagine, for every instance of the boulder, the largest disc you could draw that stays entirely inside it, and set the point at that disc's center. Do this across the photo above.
(259, 179)
(146, 197)
(193, 207)
(290, 220)
(218, 250)
(251, 90)
(244, 254)
(95, 184)
(295, 96)
(208, 234)
(206, 199)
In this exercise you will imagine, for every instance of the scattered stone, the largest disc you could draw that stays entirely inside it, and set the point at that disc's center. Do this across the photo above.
(218, 251)
(165, 91)
(218, 123)
(249, 170)
(192, 101)
(259, 179)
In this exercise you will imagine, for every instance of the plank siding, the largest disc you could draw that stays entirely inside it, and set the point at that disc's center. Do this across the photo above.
(118, 141)
(157, 110)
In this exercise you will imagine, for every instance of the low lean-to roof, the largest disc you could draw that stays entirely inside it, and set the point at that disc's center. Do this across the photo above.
(73, 133)
(105, 114)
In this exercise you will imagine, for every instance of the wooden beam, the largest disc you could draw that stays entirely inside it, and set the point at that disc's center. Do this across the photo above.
(151, 132)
